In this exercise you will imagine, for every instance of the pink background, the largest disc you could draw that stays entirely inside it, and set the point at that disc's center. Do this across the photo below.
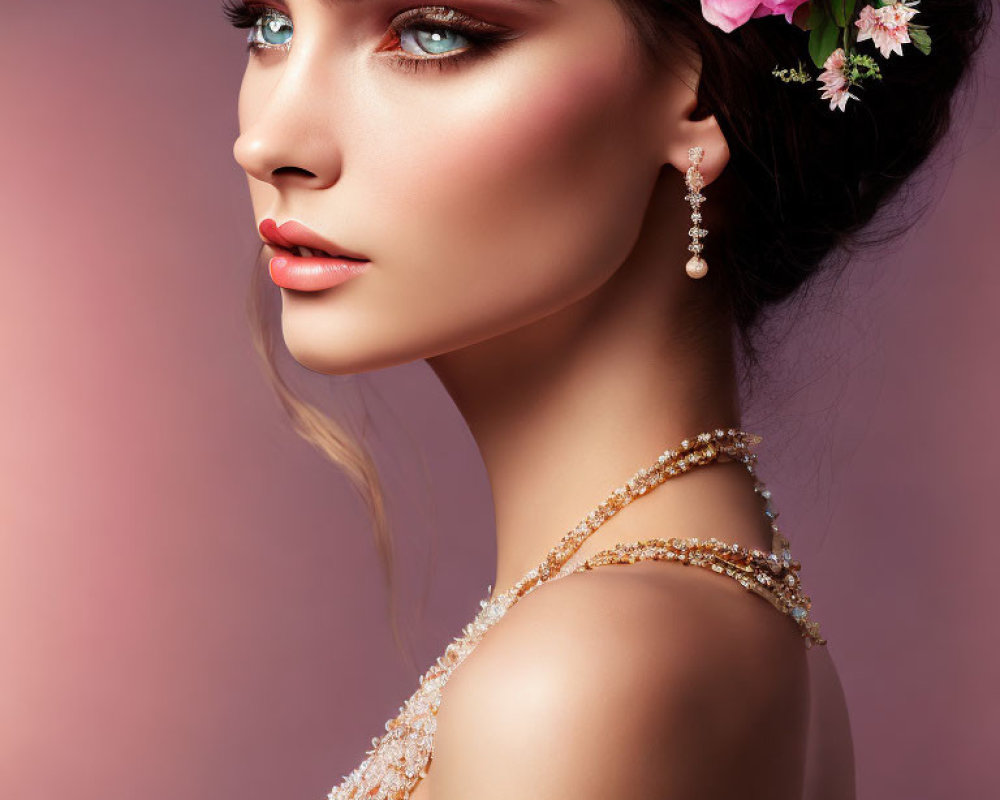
(189, 600)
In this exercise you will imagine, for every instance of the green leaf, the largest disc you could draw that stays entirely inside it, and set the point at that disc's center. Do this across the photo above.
(816, 16)
(842, 11)
(921, 40)
(823, 40)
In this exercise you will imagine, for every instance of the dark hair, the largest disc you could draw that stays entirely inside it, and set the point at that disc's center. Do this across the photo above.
(803, 181)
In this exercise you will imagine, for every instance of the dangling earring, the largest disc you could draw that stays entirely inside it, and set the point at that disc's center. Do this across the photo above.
(696, 266)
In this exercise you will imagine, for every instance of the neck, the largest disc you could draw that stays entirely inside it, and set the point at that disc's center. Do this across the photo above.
(569, 407)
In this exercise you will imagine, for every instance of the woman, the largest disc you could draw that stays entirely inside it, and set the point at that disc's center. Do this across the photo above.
(568, 209)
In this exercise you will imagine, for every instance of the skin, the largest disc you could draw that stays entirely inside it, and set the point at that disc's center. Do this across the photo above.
(524, 216)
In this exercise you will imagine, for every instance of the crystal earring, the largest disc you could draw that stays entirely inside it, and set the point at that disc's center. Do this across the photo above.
(696, 266)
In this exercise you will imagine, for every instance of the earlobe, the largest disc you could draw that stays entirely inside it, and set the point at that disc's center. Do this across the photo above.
(685, 132)
(706, 134)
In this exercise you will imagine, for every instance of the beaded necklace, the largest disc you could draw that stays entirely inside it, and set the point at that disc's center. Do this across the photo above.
(400, 757)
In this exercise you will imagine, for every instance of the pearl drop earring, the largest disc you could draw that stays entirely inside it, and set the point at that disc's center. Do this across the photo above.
(696, 266)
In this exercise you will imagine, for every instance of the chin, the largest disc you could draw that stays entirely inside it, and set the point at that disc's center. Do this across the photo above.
(319, 348)
(322, 358)
(325, 353)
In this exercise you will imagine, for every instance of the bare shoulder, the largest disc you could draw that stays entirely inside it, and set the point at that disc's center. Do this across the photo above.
(650, 680)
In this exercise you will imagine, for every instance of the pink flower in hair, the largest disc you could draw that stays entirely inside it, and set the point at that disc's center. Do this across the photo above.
(730, 14)
(887, 26)
(835, 81)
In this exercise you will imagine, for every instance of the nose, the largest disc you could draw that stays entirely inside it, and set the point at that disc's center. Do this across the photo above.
(286, 133)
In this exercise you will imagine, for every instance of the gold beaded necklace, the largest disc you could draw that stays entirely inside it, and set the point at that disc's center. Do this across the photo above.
(400, 757)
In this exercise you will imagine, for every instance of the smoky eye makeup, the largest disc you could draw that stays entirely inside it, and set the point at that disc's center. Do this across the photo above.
(417, 37)
(425, 33)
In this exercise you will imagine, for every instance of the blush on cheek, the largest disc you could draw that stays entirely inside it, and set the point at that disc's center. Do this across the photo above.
(541, 159)
(552, 126)
(549, 123)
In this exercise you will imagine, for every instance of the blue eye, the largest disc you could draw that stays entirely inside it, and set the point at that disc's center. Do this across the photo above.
(433, 41)
(429, 35)
(272, 29)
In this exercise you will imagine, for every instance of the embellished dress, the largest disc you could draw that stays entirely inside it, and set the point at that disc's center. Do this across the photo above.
(400, 758)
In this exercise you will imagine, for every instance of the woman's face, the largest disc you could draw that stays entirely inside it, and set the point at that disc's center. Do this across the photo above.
(492, 159)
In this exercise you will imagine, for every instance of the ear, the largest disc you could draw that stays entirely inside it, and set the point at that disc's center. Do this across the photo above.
(680, 131)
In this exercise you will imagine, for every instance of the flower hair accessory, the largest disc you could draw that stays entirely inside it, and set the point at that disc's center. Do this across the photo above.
(834, 30)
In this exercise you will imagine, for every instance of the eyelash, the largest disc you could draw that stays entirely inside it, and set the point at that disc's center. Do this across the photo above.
(483, 40)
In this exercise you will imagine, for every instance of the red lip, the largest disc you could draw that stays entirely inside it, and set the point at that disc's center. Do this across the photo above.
(312, 274)
(291, 234)
(330, 265)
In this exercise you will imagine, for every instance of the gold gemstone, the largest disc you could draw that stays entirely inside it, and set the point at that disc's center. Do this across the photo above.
(694, 179)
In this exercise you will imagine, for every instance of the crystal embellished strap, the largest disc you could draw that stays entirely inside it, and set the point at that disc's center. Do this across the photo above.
(773, 575)
(770, 575)
(703, 449)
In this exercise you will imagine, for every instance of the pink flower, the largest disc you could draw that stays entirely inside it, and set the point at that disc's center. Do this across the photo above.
(835, 81)
(886, 26)
(730, 14)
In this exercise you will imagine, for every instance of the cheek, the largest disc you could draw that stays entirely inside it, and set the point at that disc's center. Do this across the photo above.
(538, 173)
(550, 149)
